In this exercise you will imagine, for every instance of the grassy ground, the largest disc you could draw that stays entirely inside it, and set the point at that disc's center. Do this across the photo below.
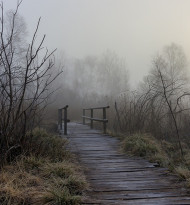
(164, 153)
(48, 175)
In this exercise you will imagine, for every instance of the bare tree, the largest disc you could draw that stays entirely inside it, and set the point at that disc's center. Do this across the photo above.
(167, 88)
(161, 103)
(24, 81)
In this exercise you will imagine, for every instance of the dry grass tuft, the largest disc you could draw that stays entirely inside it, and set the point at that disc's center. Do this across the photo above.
(183, 172)
(41, 178)
(19, 187)
(162, 152)
(144, 145)
(37, 181)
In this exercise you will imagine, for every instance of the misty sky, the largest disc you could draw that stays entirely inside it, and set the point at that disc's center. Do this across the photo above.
(134, 29)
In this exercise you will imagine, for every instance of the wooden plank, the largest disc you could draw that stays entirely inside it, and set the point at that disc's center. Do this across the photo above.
(116, 178)
(148, 201)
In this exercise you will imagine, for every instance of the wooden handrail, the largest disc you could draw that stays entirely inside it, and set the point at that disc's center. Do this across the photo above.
(95, 119)
(91, 118)
(96, 108)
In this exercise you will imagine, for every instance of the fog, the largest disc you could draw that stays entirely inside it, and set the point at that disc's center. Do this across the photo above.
(135, 30)
(130, 56)
(121, 66)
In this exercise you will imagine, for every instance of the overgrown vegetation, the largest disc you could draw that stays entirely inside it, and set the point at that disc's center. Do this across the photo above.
(46, 175)
(35, 168)
(163, 153)
(160, 105)
(26, 73)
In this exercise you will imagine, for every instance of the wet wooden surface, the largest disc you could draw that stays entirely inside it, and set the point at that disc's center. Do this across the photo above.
(116, 178)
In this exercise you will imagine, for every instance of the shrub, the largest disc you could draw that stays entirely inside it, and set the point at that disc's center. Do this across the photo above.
(144, 145)
(141, 145)
(41, 143)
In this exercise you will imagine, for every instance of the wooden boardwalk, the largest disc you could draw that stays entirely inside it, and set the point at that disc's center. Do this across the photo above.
(118, 179)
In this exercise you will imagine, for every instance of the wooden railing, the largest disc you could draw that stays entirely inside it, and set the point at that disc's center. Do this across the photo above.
(61, 119)
(91, 118)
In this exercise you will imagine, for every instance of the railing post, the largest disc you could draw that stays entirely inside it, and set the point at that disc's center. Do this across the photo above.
(104, 117)
(91, 124)
(60, 118)
(65, 120)
(83, 117)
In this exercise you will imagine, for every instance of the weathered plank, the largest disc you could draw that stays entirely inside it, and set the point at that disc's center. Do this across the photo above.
(118, 179)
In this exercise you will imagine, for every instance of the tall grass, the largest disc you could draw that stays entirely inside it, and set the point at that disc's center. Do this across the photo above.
(46, 174)
(165, 154)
